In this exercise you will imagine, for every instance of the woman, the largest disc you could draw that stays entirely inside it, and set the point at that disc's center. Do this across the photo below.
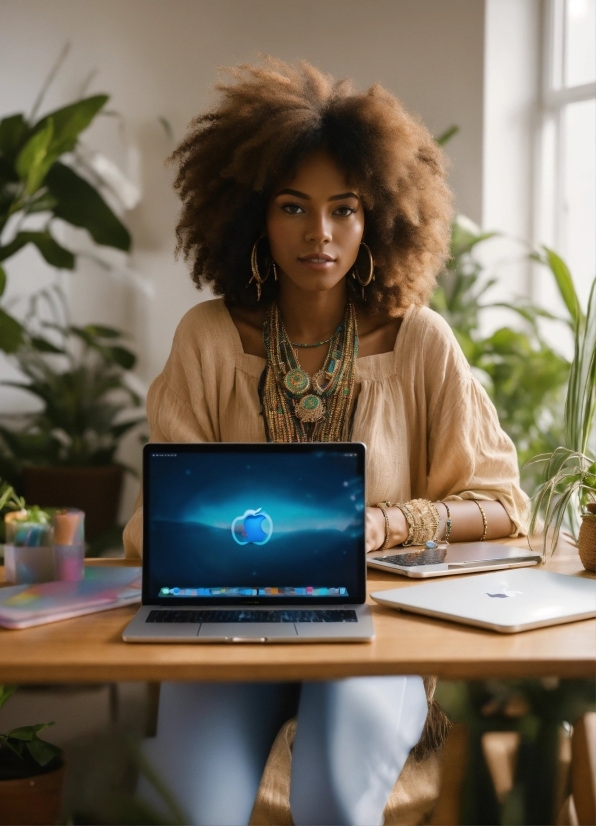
(321, 216)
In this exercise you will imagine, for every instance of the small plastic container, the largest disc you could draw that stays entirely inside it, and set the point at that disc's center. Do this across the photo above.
(69, 544)
(26, 566)
(29, 551)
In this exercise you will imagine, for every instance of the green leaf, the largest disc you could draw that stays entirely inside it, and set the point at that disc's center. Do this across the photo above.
(99, 331)
(28, 732)
(121, 356)
(42, 345)
(11, 333)
(13, 131)
(446, 136)
(6, 692)
(34, 160)
(565, 284)
(42, 751)
(51, 250)
(81, 205)
(16, 747)
(70, 121)
(2, 281)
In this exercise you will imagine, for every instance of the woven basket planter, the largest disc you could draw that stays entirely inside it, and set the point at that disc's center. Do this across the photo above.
(587, 538)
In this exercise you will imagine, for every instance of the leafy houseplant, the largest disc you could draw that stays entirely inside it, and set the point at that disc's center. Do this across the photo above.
(31, 773)
(65, 452)
(522, 374)
(39, 179)
(569, 482)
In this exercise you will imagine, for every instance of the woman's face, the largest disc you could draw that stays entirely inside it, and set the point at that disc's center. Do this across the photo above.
(315, 224)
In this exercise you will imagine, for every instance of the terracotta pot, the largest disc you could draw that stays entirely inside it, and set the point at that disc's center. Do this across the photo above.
(95, 490)
(32, 800)
(586, 541)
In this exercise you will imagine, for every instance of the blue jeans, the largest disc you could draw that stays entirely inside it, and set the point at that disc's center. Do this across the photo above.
(352, 739)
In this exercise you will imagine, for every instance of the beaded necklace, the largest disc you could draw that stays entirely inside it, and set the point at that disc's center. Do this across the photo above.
(298, 407)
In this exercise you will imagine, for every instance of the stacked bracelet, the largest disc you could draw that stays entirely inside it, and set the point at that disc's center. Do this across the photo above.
(423, 521)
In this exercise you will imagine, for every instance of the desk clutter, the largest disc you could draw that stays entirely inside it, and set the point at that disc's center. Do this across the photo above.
(101, 588)
(43, 546)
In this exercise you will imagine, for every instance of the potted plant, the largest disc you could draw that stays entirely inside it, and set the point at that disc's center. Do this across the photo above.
(569, 483)
(31, 774)
(64, 454)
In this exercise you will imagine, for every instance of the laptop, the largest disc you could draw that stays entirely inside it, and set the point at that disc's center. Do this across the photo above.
(455, 558)
(508, 602)
(253, 543)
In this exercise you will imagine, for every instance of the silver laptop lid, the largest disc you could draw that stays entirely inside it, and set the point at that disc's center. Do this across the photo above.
(250, 524)
(507, 601)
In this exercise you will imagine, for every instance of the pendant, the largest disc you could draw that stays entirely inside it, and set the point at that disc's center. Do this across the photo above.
(297, 381)
(310, 409)
(321, 381)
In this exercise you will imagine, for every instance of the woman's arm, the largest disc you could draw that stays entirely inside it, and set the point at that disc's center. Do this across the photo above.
(467, 523)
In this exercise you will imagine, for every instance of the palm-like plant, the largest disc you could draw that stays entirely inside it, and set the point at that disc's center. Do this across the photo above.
(569, 482)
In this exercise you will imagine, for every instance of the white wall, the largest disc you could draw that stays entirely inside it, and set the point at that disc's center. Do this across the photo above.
(158, 58)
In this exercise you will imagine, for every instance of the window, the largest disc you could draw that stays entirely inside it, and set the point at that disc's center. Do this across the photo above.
(567, 178)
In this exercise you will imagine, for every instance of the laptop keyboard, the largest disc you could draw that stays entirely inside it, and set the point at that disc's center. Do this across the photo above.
(226, 615)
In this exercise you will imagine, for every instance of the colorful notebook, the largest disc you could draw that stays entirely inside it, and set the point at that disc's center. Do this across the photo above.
(22, 606)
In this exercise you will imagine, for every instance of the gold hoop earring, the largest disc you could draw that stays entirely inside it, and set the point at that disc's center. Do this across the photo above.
(256, 275)
(371, 271)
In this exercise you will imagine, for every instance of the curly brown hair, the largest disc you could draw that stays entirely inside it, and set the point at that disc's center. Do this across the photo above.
(270, 118)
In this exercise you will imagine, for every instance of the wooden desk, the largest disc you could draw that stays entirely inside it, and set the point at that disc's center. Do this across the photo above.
(90, 649)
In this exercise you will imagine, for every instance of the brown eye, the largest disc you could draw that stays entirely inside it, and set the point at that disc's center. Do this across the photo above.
(344, 211)
(292, 209)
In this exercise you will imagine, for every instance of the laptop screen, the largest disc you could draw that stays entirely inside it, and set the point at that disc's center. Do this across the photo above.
(253, 523)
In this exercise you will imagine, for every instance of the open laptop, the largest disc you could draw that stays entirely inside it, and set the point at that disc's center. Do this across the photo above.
(455, 558)
(508, 601)
(253, 543)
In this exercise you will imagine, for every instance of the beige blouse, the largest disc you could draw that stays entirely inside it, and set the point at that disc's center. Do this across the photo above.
(430, 429)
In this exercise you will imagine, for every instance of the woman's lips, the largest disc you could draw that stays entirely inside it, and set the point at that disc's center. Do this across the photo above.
(317, 262)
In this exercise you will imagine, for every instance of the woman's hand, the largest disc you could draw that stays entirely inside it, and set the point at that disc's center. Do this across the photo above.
(375, 529)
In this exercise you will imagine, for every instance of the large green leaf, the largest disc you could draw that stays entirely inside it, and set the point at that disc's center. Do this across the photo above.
(52, 251)
(70, 121)
(13, 131)
(34, 159)
(11, 333)
(565, 284)
(81, 205)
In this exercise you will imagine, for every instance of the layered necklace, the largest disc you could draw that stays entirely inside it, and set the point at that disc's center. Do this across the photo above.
(298, 407)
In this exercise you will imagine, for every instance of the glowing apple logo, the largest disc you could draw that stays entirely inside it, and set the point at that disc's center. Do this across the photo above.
(253, 527)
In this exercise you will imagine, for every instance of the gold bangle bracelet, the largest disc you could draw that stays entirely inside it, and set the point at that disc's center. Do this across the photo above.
(448, 523)
(387, 529)
(484, 522)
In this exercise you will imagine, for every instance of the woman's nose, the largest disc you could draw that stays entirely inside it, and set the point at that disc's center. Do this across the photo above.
(319, 229)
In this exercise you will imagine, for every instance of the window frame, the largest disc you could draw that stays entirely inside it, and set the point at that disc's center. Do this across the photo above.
(554, 98)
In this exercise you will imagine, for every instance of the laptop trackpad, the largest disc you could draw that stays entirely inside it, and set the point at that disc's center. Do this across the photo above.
(247, 630)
